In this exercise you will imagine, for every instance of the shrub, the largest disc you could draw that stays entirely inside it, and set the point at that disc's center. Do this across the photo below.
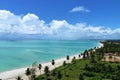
(89, 74)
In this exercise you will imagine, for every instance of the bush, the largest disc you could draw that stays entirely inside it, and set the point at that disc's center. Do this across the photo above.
(81, 77)
(89, 74)
(42, 78)
(53, 73)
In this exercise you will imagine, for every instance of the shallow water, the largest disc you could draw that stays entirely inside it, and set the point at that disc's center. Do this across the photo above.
(17, 54)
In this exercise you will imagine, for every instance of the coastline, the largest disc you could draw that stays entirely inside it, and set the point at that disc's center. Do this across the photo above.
(13, 74)
(100, 45)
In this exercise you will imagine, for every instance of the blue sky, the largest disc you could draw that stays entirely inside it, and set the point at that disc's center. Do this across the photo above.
(61, 18)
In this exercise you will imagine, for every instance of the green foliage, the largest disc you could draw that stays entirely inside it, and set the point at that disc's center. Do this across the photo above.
(81, 77)
(97, 71)
(53, 62)
(40, 66)
(59, 75)
(89, 68)
(46, 70)
(111, 46)
(89, 74)
(64, 63)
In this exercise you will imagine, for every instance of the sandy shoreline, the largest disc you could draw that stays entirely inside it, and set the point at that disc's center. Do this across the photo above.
(13, 74)
(100, 45)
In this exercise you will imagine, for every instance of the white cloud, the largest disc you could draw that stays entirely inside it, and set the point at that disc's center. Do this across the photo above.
(32, 24)
(79, 9)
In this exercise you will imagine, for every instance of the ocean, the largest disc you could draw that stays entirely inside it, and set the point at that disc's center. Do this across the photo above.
(22, 53)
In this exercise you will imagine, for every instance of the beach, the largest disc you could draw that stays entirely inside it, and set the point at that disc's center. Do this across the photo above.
(13, 74)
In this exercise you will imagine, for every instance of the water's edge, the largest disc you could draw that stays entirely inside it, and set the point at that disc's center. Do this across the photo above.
(69, 50)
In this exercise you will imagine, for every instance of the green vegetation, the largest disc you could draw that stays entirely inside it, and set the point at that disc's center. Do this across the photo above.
(84, 70)
(112, 46)
(91, 67)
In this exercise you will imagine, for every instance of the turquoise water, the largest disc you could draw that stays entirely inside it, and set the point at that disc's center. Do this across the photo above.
(18, 54)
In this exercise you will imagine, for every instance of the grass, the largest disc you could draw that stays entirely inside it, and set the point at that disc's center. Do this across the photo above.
(90, 68)
(72, 71)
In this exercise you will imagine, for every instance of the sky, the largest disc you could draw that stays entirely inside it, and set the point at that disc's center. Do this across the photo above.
(60, 19)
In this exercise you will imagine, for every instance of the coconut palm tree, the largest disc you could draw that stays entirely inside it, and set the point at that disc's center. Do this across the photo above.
(40, 66)
(28, 72)
(84, 55)
(18, 78)
(73, 59)
(53, 62)
(46, 70)
(33, 69)
(87, 54)
(68, 57)
(33, 77)
(79, 56)
(64, 64)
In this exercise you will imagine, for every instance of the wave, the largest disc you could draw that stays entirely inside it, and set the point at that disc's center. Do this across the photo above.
(36, 51)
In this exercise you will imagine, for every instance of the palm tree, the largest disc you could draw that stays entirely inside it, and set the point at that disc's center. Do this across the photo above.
(46, 70)
(33, 77)
(18, 78)
(73, 59)
(84, 54)
(40, 66)
(33, 69)
(28, 72)
(64, 64)
(87, 54)
(79, 56)
(67, 57)
(53, 62)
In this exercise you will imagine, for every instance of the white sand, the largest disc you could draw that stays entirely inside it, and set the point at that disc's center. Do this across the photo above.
(100, 45)
(13, 74)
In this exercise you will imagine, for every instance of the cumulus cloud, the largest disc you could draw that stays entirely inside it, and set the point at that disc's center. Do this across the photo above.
(80, 9)
(31, 24)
